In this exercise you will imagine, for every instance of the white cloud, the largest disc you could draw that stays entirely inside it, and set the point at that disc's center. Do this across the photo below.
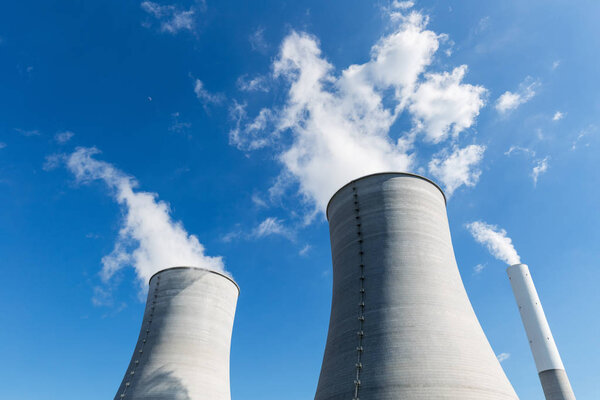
(443, 104)
(403, 5)
(53, 161)
(2, 145)
(340, 123)
(304, 250)
(509, 101)
(178, 126)
(457, 168)
(558, 116)
(272, 226)
(519, 149)
(171, 18)
(496, 241)
(540, 167)
(503, 356)
(257, 40)
(204, 95)
(555, 64)
(32, 132)
(256, 84)
(581, 135)
(258, 201)
(149, 239)
(63, 137)
(478, 268)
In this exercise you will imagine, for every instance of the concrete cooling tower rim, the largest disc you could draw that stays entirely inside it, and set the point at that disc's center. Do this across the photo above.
(384, 173)
(201, 269)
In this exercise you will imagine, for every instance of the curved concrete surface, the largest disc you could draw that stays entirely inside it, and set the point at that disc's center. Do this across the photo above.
(182, 352)
(401, 326)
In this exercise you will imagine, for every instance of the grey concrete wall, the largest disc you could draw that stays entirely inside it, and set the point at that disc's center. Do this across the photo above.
(401, 324)
(182, 352)
(556, 385)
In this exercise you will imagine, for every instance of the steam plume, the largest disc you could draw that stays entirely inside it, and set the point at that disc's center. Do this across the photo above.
(149, 240)
(340, 121)
(496, 241)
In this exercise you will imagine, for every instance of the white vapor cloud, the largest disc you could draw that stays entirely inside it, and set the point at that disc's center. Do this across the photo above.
(204, 95)
(540, 167)
(63, 137)
(496, 241)
(171, 18)
(340, 122)
(2, 145)
(558, 116)
(509, 101)
(458, 168)
(503, 356)
(149, 239)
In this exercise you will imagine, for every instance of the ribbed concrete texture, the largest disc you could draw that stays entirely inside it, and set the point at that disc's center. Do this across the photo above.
(545, 353)
(556, 385)
(182, 352)
(401, 326)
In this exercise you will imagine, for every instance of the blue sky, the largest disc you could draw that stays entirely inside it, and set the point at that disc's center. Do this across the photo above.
(243, 118)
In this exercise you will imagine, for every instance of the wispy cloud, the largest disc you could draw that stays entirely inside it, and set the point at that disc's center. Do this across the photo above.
(31, 132)
(272, 226)
(53, 161)
(178, 126)
(63, 137)
(340, 122)
(496, 241)
(582, 135)
(519, 149)
(171, 18)
(403, 5)
(2, 145)
(149, 239)
(540, 168)
(558, 116)
(256, 84)
(478, 268)
(304, 250)
(257, 41)
(205, 96)
(510, 101)
(503, 356)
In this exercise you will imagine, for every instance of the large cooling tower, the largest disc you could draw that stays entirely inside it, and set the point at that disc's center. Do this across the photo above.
(182, 352)
(551, 370)
(402, 326)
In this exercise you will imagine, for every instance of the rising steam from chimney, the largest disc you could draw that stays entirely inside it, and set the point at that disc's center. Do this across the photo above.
(496, 241)
(149, 239)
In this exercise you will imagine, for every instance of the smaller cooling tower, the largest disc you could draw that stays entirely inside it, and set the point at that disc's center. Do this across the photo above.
(182, 352)
(545, 353)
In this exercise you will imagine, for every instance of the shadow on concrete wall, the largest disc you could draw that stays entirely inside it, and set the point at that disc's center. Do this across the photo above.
(162, 385)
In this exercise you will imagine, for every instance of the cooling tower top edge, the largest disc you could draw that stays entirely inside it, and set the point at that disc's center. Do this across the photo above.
(384, 173)
(198, 268)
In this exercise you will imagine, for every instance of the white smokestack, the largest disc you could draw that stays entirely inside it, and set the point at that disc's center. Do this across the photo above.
(550, 368)
(545, 353)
